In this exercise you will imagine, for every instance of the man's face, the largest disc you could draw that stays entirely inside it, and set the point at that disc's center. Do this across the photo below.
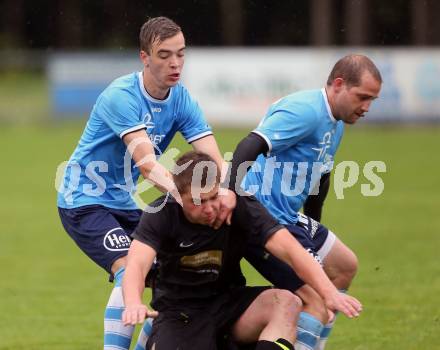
(201, 208)
(352, 102)
(165, 61)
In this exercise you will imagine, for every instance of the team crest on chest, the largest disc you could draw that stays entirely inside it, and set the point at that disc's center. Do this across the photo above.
(149, 123)
(325, 144)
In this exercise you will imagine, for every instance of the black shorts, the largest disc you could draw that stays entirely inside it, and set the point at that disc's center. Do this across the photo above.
(201, 325)
(313, 236)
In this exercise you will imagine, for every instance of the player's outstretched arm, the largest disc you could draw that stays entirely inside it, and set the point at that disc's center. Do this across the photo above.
(139, 260)
(285, 247)
(142, 152)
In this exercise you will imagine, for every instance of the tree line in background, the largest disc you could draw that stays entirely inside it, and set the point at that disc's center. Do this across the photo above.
(93, 24)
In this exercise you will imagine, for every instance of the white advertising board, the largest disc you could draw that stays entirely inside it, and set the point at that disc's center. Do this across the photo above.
(235, 86)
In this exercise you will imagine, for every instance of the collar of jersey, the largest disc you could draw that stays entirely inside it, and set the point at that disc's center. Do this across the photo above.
(147, 95)
(329, 111)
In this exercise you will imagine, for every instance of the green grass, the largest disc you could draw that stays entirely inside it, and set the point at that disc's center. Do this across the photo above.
(53, 297)
(24, 98)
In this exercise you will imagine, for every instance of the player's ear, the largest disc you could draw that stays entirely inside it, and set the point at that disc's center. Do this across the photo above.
(145, 58)
(338, 83)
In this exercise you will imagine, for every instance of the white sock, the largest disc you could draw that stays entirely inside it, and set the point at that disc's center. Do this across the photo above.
(325, 334)
(144, 334)
(116, 335)
(327, 329)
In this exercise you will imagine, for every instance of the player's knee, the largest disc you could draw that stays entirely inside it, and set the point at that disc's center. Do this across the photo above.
(346, 271)
(350, 265)
(315, 306)
(286, 302)
(118, 264)
(313, 303)
(317, 310)
(342, 266)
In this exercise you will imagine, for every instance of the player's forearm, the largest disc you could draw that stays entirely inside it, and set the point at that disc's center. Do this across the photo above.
(208, 145)
(142, 152)
(139, 261)
(309, 270)
(156, 173)
(285, 247)
(133, 286)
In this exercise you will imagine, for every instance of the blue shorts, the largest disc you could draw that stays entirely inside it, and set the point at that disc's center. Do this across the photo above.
(102, 233)
(313, 236)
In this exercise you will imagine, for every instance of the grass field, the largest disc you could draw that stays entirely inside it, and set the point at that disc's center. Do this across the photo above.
(52, 297)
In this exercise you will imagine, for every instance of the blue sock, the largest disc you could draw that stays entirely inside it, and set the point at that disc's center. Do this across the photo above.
(144, 334)
(116, 335)
(308, 331)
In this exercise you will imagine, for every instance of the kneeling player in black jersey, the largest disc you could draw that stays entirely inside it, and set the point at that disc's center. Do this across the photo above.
(199, 292)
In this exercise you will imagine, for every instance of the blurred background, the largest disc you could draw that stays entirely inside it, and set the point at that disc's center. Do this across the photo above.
(243, 54)
(57, 56)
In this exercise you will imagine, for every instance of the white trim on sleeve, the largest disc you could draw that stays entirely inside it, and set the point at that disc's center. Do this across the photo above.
(199, 136)
(269, 144)
(134, 128)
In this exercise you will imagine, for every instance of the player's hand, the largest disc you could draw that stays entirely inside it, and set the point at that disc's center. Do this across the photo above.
(348, 305)
(228, 201)
(134, 314)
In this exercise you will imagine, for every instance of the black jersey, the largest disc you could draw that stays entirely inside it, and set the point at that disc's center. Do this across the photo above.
(197, 262)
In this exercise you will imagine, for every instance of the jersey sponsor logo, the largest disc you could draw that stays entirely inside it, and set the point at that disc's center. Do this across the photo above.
(156, 109)
(185, 244)
(209, 257)
(116, 241)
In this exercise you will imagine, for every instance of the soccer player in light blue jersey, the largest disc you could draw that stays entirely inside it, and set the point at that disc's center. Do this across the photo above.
(293, 149)
(132, 123)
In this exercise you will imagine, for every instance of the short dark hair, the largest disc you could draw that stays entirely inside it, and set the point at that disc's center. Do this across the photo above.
(197, 161)
(156, 29)
(351, 67)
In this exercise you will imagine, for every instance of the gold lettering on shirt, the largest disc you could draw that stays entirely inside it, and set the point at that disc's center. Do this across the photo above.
(209, 257)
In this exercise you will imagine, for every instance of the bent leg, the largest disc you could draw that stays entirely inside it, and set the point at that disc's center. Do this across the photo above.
(99, 232)
(313, 304)
(116, 335)
(340, 265)
(312, 320)
(182, 329)
(272, 315)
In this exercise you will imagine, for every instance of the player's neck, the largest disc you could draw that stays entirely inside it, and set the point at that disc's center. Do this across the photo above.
(331, 100)
(152, 88)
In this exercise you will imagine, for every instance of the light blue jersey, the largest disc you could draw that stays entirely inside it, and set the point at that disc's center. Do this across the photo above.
(100, 170)
(303, 137)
